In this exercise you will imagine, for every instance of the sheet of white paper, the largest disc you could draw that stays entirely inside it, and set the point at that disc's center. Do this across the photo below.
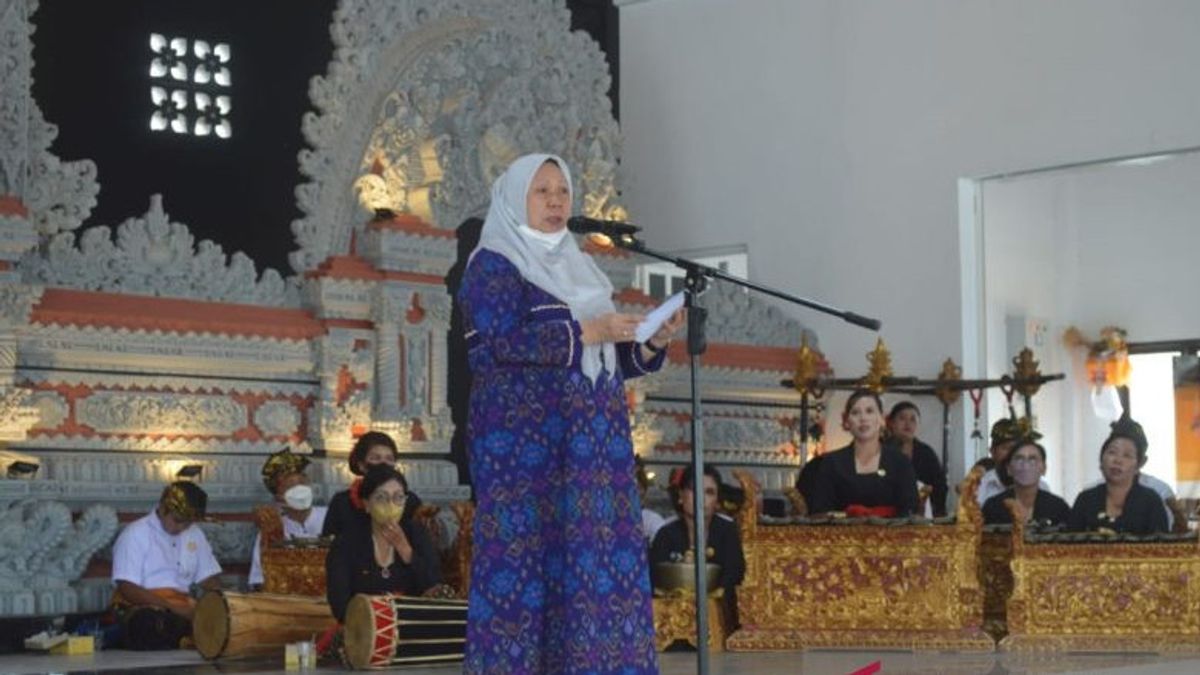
(657, 317)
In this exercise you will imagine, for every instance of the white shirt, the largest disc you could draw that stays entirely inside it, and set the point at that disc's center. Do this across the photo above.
(990, 486)
(651, 522)
(1160, 486)
(147, 555)
(309, 529)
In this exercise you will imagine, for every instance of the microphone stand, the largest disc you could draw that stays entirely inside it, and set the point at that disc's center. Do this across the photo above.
(695, 283)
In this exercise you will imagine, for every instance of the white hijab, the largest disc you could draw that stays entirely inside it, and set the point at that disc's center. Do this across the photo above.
(560, 269)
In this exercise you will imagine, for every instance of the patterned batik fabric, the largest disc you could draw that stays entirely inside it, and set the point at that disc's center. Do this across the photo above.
(559, 580)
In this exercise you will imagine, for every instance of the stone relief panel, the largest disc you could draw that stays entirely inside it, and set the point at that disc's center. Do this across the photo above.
(126, 413)
(43, 552)
(152, 255)
(427, 101)
(277, 418)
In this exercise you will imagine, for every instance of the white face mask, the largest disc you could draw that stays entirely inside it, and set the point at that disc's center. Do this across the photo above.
(547, 239)
(299, 497)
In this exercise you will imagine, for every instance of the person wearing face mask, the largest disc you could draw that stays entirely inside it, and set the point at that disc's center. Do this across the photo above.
(1121, 503)
(346, 508)
(865, 478)
(724, 542)
(1005, 433)
(558, 574)
(385, 554)
(284, 477)
(1026, 464)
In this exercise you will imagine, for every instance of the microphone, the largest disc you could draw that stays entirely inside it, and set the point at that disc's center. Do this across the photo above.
(613, 229)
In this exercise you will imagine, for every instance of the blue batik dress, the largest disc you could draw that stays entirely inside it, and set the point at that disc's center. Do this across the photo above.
(559, 580)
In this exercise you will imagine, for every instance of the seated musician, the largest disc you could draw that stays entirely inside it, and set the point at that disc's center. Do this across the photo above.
(723, 542)
(156, 560)
(865, 478)
(381, 553)
(346, 507)
(807, 479)
(651, 520)
(902, 424)
(1121, 503)
(1026, 464)
(1005, 434)
(284, 477)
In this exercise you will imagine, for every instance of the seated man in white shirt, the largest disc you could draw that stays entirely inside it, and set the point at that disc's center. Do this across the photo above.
(156, 560)
(284, 477)
(1005, 434)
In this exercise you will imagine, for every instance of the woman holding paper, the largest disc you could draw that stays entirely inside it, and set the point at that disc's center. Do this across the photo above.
(559, 581)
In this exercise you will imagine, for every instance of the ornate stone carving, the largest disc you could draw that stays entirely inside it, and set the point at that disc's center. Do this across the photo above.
(52, 409)
(16, 415)
(42, 552)
(58, 195)
(147, 413)
(16, 301)
(277, 418)
(152, 255)
(410, 99)
(231, 541)
(107, 349)
(737, 316)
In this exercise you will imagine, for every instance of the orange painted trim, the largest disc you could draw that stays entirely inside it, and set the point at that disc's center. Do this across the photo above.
(358, 324)
(12, 206)
(728, 355)
(345, 267)
(63, 307)
(634, 296)
(410, 224)
(414, 276)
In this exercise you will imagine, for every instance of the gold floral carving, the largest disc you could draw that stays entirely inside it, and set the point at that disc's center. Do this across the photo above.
(1114, 596)
(675, 619)
(996, 580)
(294, 571)
(911, 586)
(945, 391)
(1025, 369)
(809, 365)
(880, 368)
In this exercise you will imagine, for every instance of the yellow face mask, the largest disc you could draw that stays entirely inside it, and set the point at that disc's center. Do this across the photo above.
(386, 512)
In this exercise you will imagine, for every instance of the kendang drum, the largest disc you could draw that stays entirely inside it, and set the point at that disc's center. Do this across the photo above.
(228, 625)
(391, 630)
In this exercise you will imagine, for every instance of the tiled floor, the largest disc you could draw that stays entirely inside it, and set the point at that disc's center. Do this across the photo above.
(189, 663)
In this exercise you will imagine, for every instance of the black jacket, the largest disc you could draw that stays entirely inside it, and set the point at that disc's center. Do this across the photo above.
(350, 566)
(1048, 508)
(1143, 512)
(840, 484)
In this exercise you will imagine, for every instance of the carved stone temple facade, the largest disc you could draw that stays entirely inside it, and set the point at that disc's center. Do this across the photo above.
(129, 352)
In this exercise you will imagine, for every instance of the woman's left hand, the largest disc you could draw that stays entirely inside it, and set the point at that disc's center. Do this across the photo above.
(663, 336)
(395, 536)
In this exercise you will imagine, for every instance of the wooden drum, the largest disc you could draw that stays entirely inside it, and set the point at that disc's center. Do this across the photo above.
(228, 625)
(388, 630)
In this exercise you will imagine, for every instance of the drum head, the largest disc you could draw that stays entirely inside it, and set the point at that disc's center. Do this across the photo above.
(359, 632)
(210, 625)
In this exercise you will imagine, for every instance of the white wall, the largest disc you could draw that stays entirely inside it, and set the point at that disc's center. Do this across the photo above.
(828, 135)
(1090, 247)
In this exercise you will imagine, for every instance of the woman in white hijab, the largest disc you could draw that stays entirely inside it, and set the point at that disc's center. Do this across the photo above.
(559, 581)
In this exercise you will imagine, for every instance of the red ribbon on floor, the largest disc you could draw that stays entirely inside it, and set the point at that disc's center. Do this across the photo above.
(870, 669)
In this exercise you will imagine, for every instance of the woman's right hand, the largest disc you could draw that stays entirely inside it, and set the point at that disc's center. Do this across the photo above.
(612, 327)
